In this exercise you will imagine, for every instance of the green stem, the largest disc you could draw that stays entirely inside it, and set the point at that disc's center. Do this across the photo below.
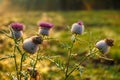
(6, 34)
(34, 66)
(15, 47)
(69, 58)
(9, 56)
(76, 66)
(84, 59)
(35, 62)
(21, 65)
(68, 63)
(15, 61)
(21, 60)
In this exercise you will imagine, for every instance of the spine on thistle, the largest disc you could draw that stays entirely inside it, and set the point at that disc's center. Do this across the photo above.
(104, 45)
(31, 45)
(44, 28)
(17, 30)
(77, 28)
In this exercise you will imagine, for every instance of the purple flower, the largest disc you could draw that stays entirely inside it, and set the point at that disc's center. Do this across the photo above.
(44, 28)
(46, 25)
(17, 26)
(17, 30)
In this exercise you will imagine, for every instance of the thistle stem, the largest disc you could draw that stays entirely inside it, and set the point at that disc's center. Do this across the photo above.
(15, 61)
(76, 66)
(34, 66)
(69, 58)
(35, 62)
(84, 59)
(21, 63)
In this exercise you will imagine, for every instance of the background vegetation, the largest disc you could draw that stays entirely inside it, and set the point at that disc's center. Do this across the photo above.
(63, 4)
(98, 25)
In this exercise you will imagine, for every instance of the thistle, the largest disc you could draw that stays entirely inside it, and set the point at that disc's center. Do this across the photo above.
(17, 29)
(104, 45)
(45, 27)
(77, 28)
(31, 44)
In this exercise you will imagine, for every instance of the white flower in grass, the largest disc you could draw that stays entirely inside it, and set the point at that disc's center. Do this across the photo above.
(31, 45)
(77, 28)
(104, 45)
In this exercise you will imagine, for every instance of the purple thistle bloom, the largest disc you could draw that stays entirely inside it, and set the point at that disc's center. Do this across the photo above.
(80, 23)
(46, 25)
(17, 26)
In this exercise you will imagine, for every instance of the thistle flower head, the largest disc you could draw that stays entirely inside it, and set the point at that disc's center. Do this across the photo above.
(30, 45)
(109, 42)
(80, 23)
(45, 25)
(17, 26)
(37, 39)
(77, 28)
(104, 45)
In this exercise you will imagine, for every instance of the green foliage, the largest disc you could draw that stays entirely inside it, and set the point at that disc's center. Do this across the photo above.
(62, 4)
(98, 24)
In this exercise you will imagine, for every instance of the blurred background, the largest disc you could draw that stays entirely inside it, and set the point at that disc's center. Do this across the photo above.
(101, 20)
(64, 5)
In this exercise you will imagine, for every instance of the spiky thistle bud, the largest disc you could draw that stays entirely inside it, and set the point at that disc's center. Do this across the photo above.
(31, 44)
(104, 45)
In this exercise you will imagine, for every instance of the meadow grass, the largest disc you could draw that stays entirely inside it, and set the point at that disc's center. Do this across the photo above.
(98, 25)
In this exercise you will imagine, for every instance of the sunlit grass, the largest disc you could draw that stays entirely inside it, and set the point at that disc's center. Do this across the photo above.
(98, 24)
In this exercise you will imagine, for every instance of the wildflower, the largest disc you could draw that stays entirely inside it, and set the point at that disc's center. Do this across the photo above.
(45, 27)
(77, 28)
(17, 29)
(104, 45)
(31, 44)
